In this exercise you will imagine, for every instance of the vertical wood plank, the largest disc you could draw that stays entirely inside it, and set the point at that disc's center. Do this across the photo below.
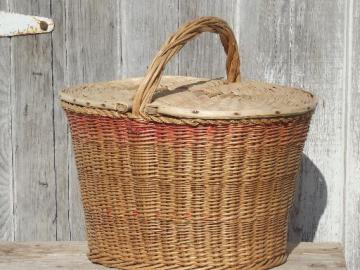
(61, 142)
(93, 54)
(264, 40)
(145, 26)
(204, 56)
(317, 64)
(352, 195)
(6, 190)
(35, 206)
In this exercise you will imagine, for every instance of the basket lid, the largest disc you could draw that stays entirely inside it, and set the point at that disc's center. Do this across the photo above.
(201, 98)
(193, 98)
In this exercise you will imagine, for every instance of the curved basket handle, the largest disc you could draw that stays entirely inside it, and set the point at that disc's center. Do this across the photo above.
(174, 44)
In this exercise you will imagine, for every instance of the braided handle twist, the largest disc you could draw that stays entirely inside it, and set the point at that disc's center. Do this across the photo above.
(174, 44)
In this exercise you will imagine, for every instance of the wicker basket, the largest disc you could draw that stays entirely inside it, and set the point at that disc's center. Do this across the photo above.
(188, 173)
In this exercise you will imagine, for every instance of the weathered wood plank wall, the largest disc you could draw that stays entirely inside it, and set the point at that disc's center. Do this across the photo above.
(32, 131)
(6, 168)
(61, 142)
(310, 44)
(352, 177)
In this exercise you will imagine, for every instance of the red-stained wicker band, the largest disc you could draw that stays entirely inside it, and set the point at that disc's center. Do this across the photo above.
(181, 194)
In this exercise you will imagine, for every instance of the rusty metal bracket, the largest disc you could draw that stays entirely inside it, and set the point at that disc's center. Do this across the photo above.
(14, 24)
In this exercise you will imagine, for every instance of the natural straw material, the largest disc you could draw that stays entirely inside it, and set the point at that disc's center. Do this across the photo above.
(168, 192)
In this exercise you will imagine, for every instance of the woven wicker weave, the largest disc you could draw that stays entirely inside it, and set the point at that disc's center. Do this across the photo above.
(179, 185)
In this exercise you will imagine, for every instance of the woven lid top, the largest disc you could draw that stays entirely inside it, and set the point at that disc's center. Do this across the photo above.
(155, 97)
(190, 97)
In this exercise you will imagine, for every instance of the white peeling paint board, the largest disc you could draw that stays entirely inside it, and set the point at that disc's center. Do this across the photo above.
(13, 24)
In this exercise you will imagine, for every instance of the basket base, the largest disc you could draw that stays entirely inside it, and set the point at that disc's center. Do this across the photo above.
(119, 264)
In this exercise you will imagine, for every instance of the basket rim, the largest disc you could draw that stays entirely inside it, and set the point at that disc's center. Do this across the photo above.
(79, 109)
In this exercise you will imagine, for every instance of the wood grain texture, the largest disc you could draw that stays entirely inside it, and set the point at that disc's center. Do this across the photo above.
(6, 178)
(264, 40)
(317, 64)
(93, 54)
(35, 205)
(204, 56)
(352, 195)
(142, 35)
(61, 135)
(72, 255)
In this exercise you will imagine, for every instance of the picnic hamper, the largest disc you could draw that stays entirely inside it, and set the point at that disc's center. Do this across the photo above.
(188, 173)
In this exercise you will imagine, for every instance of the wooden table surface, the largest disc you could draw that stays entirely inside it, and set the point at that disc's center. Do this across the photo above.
(72, 255)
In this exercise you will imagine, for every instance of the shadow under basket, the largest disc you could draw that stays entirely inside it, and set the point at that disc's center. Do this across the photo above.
(188, 173)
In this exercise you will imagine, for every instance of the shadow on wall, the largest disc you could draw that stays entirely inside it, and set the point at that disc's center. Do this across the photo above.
(309, 204)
